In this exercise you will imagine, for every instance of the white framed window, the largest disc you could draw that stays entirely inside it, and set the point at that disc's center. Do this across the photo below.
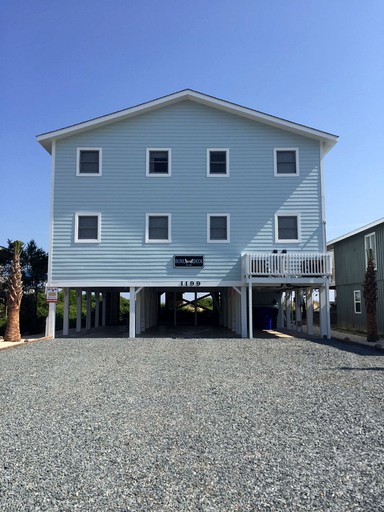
(158, 227)
(286, 161)
(158, 162)
(218, 228)
(217, 162)
(89, 162)
(287, 227)
(357, 301)
(87, 227)
(370, 247)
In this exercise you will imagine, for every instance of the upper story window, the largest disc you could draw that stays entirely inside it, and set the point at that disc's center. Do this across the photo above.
(158, 227)
(287, 227)
(88, 162)
(158, 162)
(370, 248)
(87, 227)
(218, 227)
(217, 162)
(286, 161)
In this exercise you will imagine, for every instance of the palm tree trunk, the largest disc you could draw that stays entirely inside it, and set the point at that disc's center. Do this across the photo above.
(12, 332)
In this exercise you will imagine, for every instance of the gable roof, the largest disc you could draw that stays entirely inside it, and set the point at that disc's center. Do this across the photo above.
(329, 140)
(372, 225)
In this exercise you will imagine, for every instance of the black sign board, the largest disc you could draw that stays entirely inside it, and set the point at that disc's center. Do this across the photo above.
(188, 261)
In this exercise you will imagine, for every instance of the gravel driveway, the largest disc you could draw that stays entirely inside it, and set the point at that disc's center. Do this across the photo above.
(191, 425)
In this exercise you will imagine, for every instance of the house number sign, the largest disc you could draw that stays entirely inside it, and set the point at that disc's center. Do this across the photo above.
(188, 261)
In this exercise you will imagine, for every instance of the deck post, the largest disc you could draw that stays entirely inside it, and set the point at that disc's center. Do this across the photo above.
(309, 311)
(250, 310)
(52, 320)
(132, 312)
(79, 301)
(288, 309)
(104, 309)
(324, 313)
(299, 300)
(66, 312)
(88, 319)
(243, 312)
(97, 308)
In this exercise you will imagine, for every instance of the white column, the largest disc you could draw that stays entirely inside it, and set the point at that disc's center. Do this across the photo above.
(66, 312)
(325, 323)
(309, 311)
(88, 318)
(97, 308)
(288, 309)
(51, 320)
(79, 300)
(139, 307)
(299, 300)
(243, 312)
(195, 320)
(323, 312)
(104, 310)
(132, 312)
(280, 316)
(250, 310)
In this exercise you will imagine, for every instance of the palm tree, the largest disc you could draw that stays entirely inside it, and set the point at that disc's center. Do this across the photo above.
(14, 295)
(370, 297)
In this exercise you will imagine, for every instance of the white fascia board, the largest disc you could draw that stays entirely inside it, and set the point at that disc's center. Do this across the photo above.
(45, 139)
(170, 283)
(372, 225)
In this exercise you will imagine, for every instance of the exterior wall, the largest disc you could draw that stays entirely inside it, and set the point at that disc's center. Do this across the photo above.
(123, 195)
(350, 266)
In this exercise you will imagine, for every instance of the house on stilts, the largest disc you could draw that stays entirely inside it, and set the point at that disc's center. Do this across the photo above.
(192, 194)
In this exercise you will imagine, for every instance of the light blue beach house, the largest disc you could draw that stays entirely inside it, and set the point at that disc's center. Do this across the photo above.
(189, 193)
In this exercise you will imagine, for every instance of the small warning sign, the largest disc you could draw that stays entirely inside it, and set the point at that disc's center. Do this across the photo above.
(52, 294)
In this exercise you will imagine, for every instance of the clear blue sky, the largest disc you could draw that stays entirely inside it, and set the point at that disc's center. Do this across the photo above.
(315, 62)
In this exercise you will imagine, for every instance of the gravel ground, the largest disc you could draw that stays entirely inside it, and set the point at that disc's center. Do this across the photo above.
(191, 425)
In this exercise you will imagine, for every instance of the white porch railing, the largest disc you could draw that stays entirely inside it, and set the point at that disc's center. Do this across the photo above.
(286, 265)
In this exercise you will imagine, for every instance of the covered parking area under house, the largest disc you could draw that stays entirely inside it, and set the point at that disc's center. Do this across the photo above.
(277, 291)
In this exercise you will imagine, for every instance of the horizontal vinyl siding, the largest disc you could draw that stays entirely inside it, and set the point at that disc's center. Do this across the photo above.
(252, 195)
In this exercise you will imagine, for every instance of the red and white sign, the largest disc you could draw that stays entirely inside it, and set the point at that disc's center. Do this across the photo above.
(52, 294)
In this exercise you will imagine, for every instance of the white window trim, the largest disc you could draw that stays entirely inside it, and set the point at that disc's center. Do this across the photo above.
(87, 174)
(91, 240)
(369, 235)
(357, 302)
(279, 175)
(150, 241)
(287, 214)
(228, 239)
(226, 151)
(160, 175)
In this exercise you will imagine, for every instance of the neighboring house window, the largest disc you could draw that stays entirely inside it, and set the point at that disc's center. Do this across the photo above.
(217, 162)
(88, 161)
(357, 301)
(158, 162)
(218, 227)
(287, 227)
(286, 161)
(87, 227)
(370, 247)
(158, 227)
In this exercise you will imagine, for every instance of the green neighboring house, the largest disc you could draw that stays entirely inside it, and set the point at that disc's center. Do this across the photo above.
(350, 256)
